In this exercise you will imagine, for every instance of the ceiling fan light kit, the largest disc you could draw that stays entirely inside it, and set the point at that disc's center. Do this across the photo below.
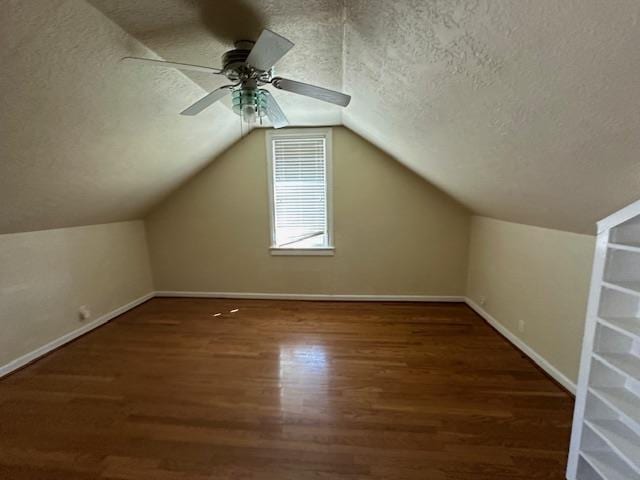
(250, 67)
(250, 104)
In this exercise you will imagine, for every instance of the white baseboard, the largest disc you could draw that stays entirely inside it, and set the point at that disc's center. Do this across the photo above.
(526, 349)
(58, 342)
(314, 296)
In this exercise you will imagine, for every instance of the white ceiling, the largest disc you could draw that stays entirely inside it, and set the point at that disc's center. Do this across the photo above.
(523, 111)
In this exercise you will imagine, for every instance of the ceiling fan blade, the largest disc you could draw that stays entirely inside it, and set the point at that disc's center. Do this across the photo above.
(207, 100)
(269, 48)
(162, 63)
(320, 93)
(274, 112)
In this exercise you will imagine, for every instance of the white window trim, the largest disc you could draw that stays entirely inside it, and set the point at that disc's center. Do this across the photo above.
(308, 252)
(328, 249)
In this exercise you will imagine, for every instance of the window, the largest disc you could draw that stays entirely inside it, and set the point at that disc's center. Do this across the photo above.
(299, 188)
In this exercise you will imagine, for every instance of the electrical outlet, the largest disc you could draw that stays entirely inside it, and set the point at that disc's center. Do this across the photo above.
(483, 300)
(84, 313)
(521, 325)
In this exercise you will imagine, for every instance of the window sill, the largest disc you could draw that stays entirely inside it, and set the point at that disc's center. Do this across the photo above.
(308, 252)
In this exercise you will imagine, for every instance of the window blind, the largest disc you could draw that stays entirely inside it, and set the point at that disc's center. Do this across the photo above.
(300, 190)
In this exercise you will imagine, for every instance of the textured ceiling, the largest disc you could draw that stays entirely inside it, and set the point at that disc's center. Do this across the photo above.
(523, 111)
(84, 138)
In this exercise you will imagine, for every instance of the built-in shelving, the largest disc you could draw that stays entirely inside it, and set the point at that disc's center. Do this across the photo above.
(605, 442)
(622, 401)
(623, 362)
(624, 286)
(628, 248)
(586, 471)
(626, 326)
(620, 438)
(609, 466)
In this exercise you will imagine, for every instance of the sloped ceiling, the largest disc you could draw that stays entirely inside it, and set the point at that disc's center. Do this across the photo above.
(522, 111)
(84, 139)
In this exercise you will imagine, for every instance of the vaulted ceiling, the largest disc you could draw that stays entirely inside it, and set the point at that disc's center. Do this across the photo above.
(523, 111)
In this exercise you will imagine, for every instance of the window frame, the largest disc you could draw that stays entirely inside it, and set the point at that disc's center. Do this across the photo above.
(329, 248)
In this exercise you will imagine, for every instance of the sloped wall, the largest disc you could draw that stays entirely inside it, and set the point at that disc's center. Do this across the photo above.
(394, 233)
(46, 276)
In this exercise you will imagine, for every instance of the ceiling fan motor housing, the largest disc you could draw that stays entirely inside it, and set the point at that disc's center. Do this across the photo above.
(235, 66)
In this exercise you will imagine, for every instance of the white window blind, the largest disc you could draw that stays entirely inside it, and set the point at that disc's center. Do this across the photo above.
(299, 169)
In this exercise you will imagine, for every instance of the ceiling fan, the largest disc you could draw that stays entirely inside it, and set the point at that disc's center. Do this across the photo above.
(249, 66)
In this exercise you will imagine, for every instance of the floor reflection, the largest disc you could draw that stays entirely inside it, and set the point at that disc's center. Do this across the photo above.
(304, 379)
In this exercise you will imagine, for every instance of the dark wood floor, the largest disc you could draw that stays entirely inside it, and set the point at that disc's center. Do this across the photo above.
(287, 391)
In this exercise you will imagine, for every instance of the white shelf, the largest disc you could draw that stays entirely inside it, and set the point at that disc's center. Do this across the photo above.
(620, 438)
(605, 440)
(609, 466)
(626, 286)
(629, 326)
(625, 247)
(622, 401)
(624, 363)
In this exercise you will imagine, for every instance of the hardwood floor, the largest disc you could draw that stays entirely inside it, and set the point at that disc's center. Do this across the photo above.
(287, 391)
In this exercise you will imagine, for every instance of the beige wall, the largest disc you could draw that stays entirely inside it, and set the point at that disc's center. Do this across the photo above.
(46, 275)
(536, 275)
(394, 233)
